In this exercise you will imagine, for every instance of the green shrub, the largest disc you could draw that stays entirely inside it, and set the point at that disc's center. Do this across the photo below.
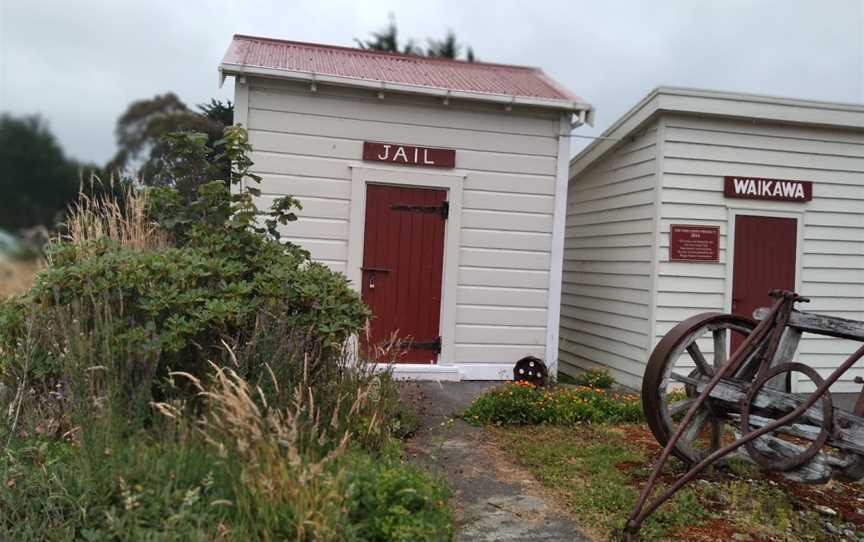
(188, 297)
(521, 403)
(182, 276)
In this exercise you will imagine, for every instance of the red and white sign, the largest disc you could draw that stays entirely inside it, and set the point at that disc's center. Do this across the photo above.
(694, 243)
(408, 155)
(767, 189)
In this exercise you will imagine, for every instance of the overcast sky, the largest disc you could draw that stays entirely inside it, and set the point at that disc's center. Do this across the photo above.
(80, 63)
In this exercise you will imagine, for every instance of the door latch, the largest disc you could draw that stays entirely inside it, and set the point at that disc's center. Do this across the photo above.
(372, 272)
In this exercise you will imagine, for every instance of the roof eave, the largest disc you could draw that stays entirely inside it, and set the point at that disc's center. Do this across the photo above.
(228, 69)
(689, 101)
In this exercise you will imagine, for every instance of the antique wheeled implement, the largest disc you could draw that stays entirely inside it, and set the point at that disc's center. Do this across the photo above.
(703, 405)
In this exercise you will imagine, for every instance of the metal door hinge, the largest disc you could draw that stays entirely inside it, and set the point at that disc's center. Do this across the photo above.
(433, 345)
(443, 209)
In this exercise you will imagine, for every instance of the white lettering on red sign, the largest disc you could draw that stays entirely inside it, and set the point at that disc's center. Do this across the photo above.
(760, 187)
(408, 155)
(401, 156)
(768, 189)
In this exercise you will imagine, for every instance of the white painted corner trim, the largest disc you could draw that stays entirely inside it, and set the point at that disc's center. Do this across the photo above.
(656, 226)
(241, 103)
(452, 181)
(556, 269)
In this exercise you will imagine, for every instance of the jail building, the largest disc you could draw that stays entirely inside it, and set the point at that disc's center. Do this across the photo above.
(437, 186)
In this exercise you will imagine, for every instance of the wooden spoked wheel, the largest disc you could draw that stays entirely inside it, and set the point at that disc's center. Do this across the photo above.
(691, 351)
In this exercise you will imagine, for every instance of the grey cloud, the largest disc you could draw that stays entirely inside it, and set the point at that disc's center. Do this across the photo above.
(81, 63)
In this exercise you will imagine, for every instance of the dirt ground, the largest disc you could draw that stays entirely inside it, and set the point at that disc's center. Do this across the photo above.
(17, 276)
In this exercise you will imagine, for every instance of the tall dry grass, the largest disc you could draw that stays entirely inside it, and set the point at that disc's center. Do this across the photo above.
(286, 454)
(118, 216)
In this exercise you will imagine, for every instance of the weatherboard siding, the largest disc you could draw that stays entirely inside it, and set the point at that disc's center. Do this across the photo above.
(606, 291)
(306, 143)
(698, 152)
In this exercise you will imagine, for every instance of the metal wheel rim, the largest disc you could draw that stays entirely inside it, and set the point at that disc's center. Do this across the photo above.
(658, 411)
(810, 452)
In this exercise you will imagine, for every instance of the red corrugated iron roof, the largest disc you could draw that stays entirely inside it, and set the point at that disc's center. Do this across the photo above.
(246, 53)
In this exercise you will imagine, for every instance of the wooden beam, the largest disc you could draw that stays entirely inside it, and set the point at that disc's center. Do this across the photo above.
(818, 470)
(831, 326)
(784, 354)
(848, 433)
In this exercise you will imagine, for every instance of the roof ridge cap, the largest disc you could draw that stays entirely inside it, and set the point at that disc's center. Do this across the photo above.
(390, 54)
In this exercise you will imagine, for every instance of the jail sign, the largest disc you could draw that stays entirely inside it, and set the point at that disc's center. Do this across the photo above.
(767, 189)
(408, 155)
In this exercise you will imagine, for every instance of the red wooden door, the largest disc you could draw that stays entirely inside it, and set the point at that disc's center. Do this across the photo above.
(403, 257)
(765, 255)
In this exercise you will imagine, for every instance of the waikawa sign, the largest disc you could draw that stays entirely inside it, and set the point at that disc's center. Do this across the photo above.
(767, 189)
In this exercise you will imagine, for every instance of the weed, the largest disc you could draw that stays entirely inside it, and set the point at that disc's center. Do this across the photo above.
(388, 503)
(224, 463)
(592, 378)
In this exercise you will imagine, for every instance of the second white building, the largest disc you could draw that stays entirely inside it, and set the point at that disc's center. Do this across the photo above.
(698, 201)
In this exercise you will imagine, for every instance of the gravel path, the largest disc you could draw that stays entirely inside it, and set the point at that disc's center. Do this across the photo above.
(495, 500)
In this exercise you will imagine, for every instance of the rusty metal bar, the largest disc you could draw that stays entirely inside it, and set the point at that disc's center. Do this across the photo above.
(634, 523)
(784, 303)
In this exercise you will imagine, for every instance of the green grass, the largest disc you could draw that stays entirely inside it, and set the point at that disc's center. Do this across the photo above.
(587, 472)
(598, 471)
(147, 489)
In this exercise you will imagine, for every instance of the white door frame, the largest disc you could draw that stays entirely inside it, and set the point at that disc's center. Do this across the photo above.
(452, 181)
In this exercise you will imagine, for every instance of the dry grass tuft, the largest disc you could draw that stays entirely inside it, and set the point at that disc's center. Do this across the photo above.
(121, 218)
(284, 452)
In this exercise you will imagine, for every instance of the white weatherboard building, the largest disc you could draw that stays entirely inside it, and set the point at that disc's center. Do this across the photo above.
(700, 201)
(438, 187)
